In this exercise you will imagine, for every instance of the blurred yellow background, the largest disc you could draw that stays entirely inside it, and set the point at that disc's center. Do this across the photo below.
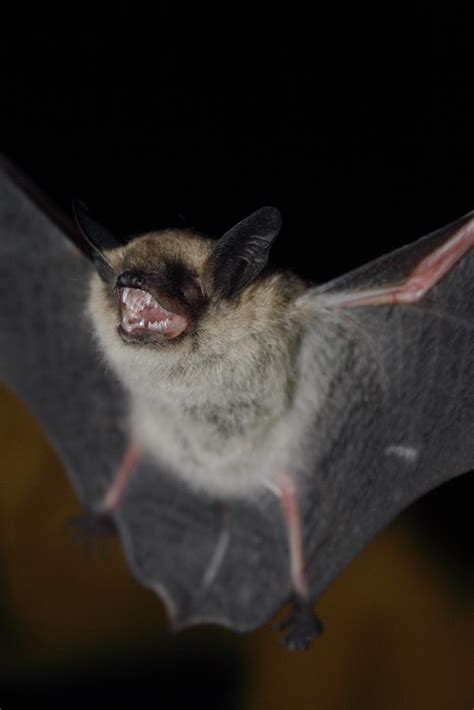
(397, 634)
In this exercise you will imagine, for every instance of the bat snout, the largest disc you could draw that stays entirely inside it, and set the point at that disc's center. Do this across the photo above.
(131, 279)
(142, 315)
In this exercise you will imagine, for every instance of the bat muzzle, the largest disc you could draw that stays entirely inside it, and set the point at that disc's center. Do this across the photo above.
(142, 316)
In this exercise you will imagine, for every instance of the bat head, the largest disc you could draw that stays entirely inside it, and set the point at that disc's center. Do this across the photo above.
(160, 285)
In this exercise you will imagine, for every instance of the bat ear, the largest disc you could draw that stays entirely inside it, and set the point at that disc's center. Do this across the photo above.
(241, 254)
(97, 237)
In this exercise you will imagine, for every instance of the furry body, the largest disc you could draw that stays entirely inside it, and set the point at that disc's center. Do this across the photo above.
(221, 408)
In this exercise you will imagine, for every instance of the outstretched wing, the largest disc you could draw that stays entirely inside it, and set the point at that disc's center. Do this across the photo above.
(172, 538)
(46, 354)
(399, 419)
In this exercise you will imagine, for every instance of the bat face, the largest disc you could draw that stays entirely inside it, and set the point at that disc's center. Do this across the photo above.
(156, 291)
(158, 288)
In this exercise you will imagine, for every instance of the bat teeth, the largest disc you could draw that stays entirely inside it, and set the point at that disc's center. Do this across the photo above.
(130, 324)
(151, 325)
(138, 309)
(136, 300)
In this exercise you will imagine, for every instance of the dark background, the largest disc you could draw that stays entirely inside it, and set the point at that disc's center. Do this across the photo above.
(357, 125)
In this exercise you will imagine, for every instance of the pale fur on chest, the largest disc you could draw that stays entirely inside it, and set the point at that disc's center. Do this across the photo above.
(223, 436)
(224, 415)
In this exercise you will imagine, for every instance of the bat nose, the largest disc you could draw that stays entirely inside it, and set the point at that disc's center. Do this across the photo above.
(131, 279)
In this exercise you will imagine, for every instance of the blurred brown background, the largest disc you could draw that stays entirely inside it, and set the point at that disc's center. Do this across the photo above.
(357, 124)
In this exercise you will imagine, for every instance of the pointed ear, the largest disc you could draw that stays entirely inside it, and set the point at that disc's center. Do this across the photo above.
(241, 254)
(97, 237)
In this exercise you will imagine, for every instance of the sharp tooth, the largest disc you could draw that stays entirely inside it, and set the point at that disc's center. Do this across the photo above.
(148, 298)
(125, 294)
(142, 323)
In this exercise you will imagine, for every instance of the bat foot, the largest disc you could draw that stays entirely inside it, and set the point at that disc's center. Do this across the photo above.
(91, 531)
(302, 627)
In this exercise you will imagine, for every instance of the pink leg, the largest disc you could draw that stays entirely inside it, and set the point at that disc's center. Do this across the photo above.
(96, 526)
(116, 490)
(291, 512)
(302, 625)
(428, 272)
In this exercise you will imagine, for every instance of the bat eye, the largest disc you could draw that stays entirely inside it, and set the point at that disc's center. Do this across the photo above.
(131, 279)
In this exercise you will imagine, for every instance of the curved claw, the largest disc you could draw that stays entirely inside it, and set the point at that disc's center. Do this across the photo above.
(303, 626)
(91, 530)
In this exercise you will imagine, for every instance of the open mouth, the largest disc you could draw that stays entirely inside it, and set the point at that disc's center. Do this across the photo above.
(141, 314)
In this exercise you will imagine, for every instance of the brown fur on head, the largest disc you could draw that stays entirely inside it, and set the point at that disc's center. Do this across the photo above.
(169, 266)
(162, 285)
(173, 266)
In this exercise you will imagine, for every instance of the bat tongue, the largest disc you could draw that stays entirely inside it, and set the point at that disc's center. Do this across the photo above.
(141, 312)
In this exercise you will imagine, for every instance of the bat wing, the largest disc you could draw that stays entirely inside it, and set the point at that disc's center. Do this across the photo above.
(46, 355)
(206, 563)
(399, 418)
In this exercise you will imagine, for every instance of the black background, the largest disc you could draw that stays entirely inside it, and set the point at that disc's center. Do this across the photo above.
(356, 124)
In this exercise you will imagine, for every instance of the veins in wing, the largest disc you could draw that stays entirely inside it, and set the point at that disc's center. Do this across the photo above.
(457, 320)
(428, 272)
(358, 332)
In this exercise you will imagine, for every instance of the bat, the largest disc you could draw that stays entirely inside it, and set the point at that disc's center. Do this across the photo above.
(247, 432)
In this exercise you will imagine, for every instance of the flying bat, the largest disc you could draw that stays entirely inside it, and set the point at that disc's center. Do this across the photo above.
(247, 432)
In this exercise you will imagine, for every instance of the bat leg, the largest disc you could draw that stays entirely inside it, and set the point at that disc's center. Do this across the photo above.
(428, 272)
(96, 526)
(114, 493)
(302, 625)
